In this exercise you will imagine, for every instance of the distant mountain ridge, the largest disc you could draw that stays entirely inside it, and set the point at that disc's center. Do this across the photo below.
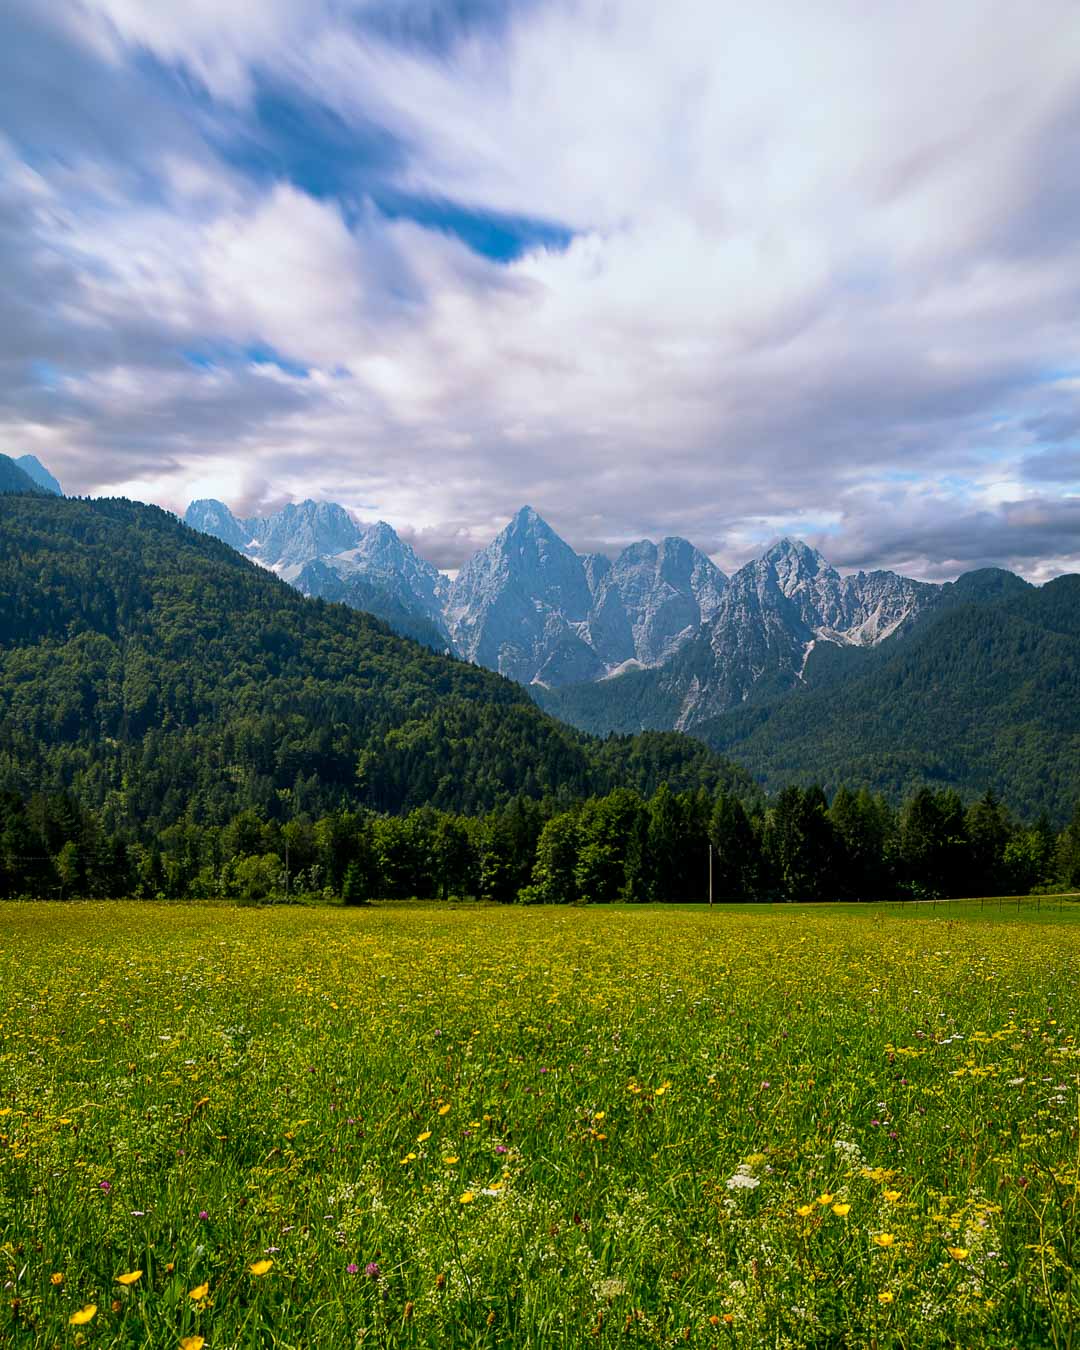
(526, 606)
(39, 474)
(14, 478)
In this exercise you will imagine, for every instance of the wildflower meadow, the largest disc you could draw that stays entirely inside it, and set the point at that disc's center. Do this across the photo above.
(407, 1126)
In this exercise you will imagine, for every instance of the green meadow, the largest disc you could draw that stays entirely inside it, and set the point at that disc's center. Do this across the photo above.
(504, 1126)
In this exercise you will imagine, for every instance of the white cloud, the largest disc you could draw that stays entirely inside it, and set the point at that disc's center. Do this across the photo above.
(808, 252)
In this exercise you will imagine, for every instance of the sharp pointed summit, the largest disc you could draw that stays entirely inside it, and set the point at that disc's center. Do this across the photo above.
(519, 605)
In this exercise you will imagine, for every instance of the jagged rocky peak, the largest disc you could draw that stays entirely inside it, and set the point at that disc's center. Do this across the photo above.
(35, 470)
(521, 604)
(794, 564)
(653, 599)
(212, 517)
(382, 553)
(533, 558)
(297, 533)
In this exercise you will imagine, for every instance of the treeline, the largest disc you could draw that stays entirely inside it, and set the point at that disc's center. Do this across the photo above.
(617, 847)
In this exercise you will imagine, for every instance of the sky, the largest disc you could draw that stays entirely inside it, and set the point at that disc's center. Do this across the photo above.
(703, 268)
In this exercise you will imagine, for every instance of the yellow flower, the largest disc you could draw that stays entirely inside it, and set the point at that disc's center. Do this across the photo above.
(200, 1291)
(884, 1239)
(420, 1138)
(260, 1267)
(56, 1278)
(825, 1199)
(885, 1296)
(84, 1315)
(959, 1253)
(891, 1195)
(444, 1110)
(804, 1211)
(451, 1159)
(192, 1343)
(466, 1198)
(130, 1278)
(841, 1210)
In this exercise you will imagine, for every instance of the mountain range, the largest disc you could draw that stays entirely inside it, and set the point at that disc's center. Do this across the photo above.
(531, 608)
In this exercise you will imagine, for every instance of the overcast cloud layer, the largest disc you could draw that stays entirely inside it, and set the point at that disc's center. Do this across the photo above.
(723, 270)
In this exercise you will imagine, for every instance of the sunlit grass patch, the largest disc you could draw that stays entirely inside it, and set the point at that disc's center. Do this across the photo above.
(536, 1127)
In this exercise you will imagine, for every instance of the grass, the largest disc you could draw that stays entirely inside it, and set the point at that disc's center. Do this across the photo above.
(775, 1126)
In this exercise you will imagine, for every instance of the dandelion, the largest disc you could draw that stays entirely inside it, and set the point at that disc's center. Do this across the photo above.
(444, 1110)
(423, 1138)
(192, 1343)
(132, 1277)
(884, 1239)
(804, 1211)
(841, 1210)
(451, 1159)
(84, 1315)
(466, 1198)
(891, 1196)
(959, 1253)
(260, 1267)
(825, 1199)
(199, 1292)
(57, 1277)
(886, 1296)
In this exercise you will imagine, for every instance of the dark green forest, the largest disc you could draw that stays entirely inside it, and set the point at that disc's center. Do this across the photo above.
(616, 847)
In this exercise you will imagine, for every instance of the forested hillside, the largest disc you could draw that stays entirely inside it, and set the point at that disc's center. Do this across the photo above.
(984, 696)
(160, 676)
